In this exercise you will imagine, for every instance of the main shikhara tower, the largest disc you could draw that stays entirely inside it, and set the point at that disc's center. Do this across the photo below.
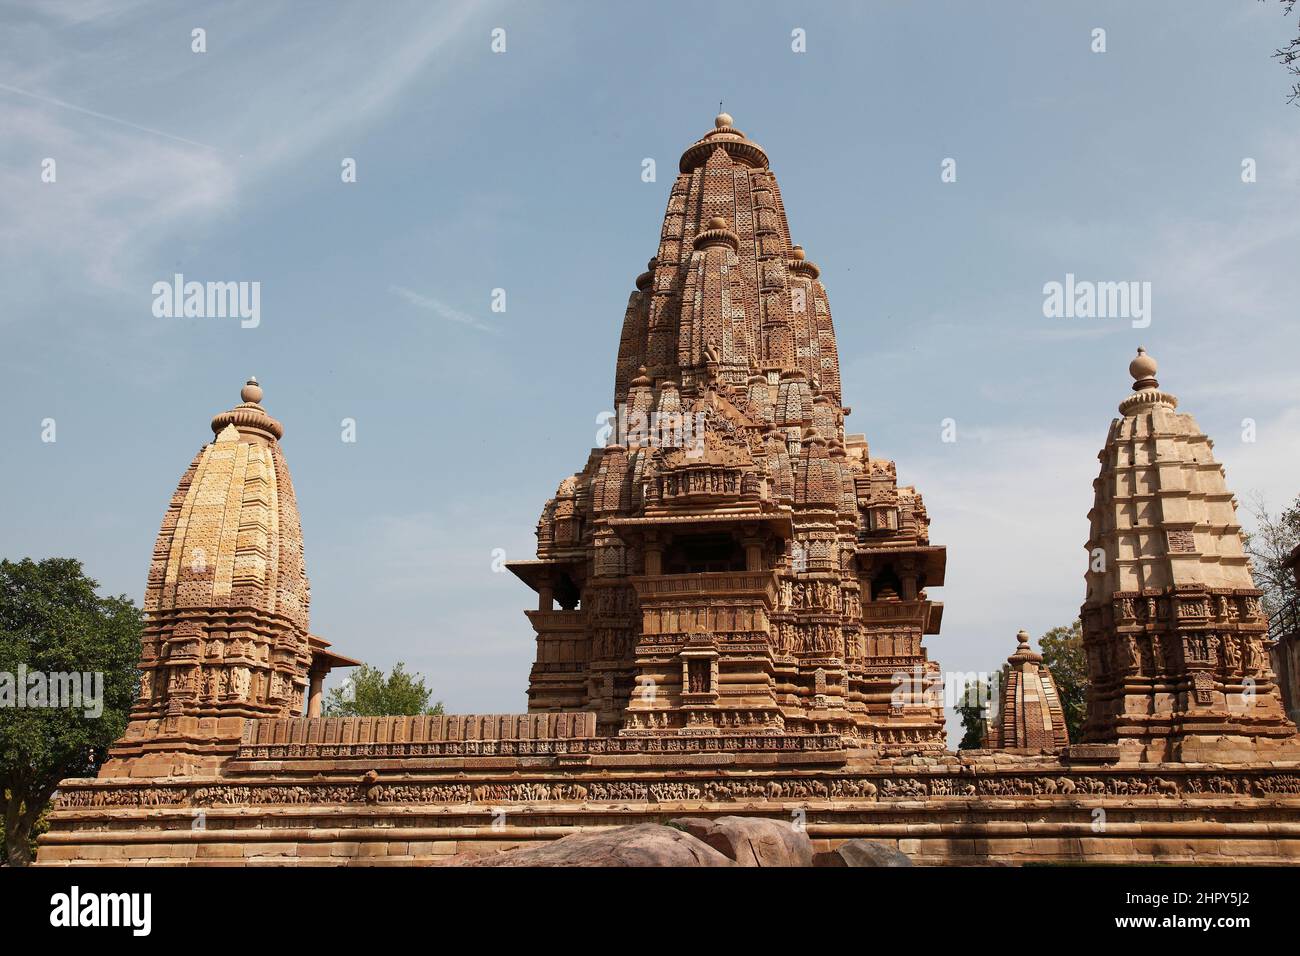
(732, 561)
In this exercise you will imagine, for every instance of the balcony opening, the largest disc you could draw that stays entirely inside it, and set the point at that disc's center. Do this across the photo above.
(886, 586)
(695, 553)
(567, 594)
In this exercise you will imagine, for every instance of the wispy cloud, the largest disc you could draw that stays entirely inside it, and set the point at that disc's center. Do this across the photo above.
(52, 101)
(138, 173)
(442, 310)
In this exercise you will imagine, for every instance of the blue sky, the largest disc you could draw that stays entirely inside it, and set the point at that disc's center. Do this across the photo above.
(522, 171)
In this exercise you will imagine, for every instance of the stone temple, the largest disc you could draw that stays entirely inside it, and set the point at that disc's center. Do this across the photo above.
(733, 606)
(734, 562)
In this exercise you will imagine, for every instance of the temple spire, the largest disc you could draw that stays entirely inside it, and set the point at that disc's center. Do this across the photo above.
(1030, 716)
(727, 280)
(1173, 630)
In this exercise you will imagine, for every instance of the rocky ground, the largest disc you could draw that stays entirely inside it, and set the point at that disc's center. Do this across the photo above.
(692, 841)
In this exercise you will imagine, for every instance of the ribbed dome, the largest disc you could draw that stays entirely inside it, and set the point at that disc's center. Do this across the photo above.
(227, 595)
(232, 535)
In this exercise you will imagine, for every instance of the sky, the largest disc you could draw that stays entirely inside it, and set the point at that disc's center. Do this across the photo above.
(482, 169)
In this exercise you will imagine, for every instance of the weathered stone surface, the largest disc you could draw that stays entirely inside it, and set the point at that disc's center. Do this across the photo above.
(1173, 628)
(648, 844)
(731, 473)
(751, 841)
(227, 631)
(863, 853)
(1030, 716)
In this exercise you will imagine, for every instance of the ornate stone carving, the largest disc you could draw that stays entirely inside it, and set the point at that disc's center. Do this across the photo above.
(1193, 608)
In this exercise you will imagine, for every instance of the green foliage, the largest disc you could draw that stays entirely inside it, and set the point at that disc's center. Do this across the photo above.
(1269, 547)
(368, 693)
(52, 621)
(973, 709)
(1062, 649)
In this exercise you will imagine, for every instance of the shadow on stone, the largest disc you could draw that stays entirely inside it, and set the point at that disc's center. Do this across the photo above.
(862, 853)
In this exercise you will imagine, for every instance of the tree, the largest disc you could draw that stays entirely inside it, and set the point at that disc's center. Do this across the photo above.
(974, 707)
(368, 693)
(1269, 547)
(53, 623)
(1062, 649)
(1289, 57)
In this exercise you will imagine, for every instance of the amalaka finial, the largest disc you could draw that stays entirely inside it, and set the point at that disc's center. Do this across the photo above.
(251, 392)
(1143, 369)
(722, 120)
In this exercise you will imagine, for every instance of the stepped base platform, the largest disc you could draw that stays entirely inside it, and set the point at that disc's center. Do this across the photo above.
(418, 791)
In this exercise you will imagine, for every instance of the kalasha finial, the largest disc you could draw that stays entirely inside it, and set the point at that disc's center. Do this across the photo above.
(718, 222)
(798, 253)
(249, 418)
(1023, 651)
(722, 120)
(1143, 369)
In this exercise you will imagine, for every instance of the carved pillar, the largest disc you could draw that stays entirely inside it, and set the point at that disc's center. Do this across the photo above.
(314, 695)
(654, 555)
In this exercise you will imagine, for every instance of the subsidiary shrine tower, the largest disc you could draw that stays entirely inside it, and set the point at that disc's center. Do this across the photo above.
(732, 560)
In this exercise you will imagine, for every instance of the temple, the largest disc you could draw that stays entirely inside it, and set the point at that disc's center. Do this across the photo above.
(226, 605)
(1030, 716)
(733, 559)
(732, 613)
(1178, 655)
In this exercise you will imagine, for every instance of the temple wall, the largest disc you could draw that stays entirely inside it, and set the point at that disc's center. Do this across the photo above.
(387, 806)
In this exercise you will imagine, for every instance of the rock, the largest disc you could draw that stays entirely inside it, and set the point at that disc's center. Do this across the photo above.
(751, 841)
(646, 844)
(862, 853)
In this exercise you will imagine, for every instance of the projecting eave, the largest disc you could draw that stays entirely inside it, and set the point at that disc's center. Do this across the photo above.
(778, 521)
(537, 572)
(934, 559)
(324, 659)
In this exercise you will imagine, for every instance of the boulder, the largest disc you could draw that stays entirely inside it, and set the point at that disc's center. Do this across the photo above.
(751, 841)
(646, 844)
(863, 853)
